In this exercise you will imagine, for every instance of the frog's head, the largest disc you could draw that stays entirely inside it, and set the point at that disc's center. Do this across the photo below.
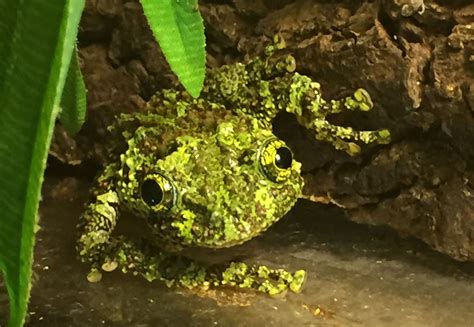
(223, 188)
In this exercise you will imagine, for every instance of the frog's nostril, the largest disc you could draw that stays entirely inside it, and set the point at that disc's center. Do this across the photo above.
(152, 193)
(283, 158)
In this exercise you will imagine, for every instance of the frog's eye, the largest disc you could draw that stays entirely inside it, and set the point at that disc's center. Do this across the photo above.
(283, 158)
(158, 193)
(275, 160)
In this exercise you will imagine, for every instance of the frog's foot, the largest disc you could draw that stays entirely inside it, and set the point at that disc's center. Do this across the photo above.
(181, 271)
(173, 269)
(261, 278)
(273, 282)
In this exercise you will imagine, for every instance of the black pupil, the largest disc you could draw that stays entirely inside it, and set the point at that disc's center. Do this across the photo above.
(283, 158)
(152, 193)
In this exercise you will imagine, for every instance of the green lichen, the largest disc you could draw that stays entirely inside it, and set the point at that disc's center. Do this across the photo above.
(185, 225)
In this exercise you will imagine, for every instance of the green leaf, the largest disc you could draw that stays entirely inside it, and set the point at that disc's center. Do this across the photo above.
(36, 43)
(179, 29)
(73, 101)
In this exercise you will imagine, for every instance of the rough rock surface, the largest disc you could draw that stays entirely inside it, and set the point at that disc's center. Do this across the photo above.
(415, 57)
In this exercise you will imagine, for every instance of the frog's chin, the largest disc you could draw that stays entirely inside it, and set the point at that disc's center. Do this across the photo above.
(223, 244)
(228, 243)
(229, 238)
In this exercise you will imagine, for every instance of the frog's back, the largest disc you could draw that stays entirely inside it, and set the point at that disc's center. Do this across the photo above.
(157, 128)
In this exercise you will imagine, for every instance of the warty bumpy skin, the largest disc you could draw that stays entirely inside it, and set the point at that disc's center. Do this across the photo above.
(209, 172)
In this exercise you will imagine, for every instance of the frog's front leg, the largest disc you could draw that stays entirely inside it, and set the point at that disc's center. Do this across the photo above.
(174, 269)
(314, 111)
(267, 86)
(98, 222)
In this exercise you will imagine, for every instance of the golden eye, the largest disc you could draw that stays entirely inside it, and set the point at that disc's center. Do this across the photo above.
(275, 160)
(158, 193)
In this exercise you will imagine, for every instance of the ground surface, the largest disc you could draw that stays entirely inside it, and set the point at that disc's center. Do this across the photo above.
(358, 276)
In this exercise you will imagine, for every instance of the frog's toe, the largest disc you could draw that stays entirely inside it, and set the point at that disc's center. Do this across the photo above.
(299, 279)
(94, 276)
(364, 101)
(109, 266)
(278, 292)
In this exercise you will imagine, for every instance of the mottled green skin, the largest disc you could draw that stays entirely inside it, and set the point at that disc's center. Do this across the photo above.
(224, 198)
(212, 150)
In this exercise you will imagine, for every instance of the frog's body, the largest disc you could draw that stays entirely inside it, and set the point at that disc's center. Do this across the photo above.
(218, 193)
(209, 172)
